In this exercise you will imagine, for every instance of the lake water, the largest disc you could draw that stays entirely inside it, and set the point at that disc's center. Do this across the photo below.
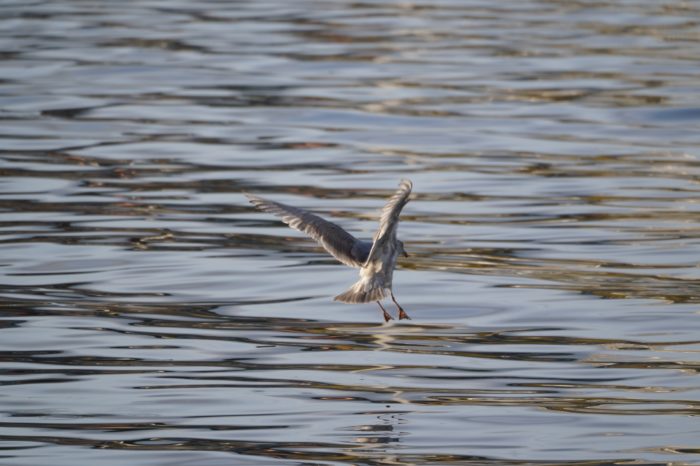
(150, 316)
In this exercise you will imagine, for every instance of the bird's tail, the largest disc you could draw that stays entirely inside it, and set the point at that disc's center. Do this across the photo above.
(362, 292)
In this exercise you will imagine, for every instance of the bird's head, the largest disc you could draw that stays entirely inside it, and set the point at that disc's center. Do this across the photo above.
(402, 250)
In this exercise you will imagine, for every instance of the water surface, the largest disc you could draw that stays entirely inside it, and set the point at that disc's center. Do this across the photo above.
(151, 316)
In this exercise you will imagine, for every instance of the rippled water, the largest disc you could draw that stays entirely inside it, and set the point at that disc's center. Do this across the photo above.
(150, 316)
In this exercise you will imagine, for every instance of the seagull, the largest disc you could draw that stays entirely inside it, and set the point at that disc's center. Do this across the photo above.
(376, 259)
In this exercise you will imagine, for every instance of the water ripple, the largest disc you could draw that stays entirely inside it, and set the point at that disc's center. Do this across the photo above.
(150, 315)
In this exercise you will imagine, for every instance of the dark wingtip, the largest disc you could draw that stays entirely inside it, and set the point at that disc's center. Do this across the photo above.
(255, 200)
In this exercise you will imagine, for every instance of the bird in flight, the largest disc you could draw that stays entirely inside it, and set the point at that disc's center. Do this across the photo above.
(376, 259)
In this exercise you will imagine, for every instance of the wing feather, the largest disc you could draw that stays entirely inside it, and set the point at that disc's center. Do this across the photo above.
(389, 221)
(338, 242)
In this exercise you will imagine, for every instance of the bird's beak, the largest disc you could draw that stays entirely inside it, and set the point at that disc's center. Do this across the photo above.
(405, 254)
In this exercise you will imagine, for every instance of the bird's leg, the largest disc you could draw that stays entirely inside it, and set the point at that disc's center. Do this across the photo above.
(387, 316)
(402, 313)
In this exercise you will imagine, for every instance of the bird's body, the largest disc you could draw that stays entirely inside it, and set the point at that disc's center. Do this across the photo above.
(376, 260)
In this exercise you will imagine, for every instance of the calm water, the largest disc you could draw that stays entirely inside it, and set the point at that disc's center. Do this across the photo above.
(150, 316)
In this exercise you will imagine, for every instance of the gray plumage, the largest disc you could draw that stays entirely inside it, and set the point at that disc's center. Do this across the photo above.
(376, 260)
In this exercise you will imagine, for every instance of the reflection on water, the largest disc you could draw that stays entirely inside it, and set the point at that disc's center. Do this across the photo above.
(150, 315)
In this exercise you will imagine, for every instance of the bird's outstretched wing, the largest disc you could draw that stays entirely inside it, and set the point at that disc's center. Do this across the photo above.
(389, 221)
(338, 242)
